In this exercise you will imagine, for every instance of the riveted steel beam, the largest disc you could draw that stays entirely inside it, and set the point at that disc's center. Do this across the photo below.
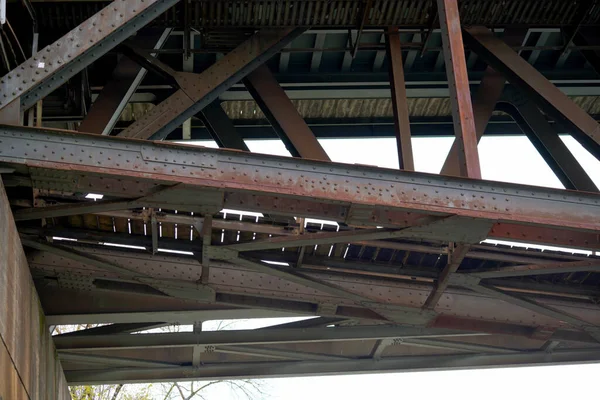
(474, 283)
(283, 116)
(221, 128)
(254, 182)
(124, 81)
(399, 102)
(53, 65)
(547, 142)
(455, 257)
(315, 368)
(488, 94)
(397, 299)
(460, 94)
(532, 83)
(198, 90)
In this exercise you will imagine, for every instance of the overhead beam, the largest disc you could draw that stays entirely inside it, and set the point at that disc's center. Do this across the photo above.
(474, 283)
(350, 193)
(283, 115)
(399, 101)
(116, 93)
(540, 269)
(221, 128)
(250, 337)
(56, 63)
(63, 210)
(315, 368)
(489, 92)
(199, 90)
(423, 227)
(460, 94)
(112, 329)
(553, 150)
(532, 83)
(159, 317)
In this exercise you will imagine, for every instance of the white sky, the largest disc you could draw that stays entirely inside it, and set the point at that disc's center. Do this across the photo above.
(508, 159)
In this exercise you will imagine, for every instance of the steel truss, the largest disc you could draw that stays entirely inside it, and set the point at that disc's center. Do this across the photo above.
(397, 277)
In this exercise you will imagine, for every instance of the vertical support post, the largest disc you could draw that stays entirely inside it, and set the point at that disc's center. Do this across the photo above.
(488, 94)
(399, 101)
(206, 233)
(460, 95)
(188, 66)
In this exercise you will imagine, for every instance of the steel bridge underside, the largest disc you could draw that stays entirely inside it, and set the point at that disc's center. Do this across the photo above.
(394, 270)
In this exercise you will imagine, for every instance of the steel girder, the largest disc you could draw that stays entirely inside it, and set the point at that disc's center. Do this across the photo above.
(196, 91)
(53, 65)
(489, 91)
(312, 368)
(402, 294)
(283, 116)
(532, 83)
(399, 103)
(221, 128)
(115, 95)
(458, 84)
(348, 193)
(547, 142)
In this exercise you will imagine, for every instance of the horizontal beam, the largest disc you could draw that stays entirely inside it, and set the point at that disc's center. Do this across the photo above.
(244, 286)
(315, 368)
(63, 210)
(540, 269)
(111, 361)
(276, 353)
(170, 317)
(347, 193)
(249, 337)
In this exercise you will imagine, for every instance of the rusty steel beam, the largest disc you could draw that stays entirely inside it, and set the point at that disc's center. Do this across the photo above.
(438, 229)
(456, 255)
(531, 82)
(539, 269)
(251, 282)
(283, 116)
(545, 139)
(474, 283)
(488, 94)
(221, 128)
(196, 91)
(353, 194)
(458, 84)
(56, 63)
(125, 79)
(399, 102)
